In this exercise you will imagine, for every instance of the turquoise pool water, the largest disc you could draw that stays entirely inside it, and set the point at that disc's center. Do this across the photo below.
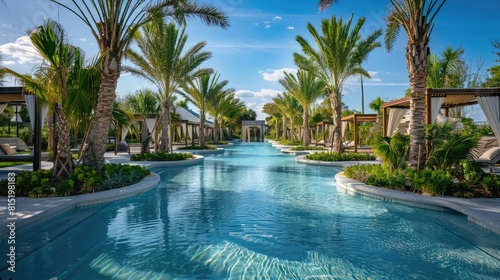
(254, 213)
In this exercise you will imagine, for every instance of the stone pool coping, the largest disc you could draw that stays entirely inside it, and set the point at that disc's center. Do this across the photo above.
(203, 152)
(484, 212)
(32, 211)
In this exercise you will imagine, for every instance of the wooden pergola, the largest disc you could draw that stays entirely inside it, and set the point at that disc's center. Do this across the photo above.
(15, 96)
(453, 97)
(355, 119)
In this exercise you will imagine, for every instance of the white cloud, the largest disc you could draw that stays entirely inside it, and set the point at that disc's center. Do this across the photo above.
(276, 74)
(290, 28)
(83, 39)
(261, 94)
(267, 26)
(22, 51)
(277, 18)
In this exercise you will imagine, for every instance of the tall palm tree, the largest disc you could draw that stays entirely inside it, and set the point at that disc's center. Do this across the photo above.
(144, 103)
(232, 112)
(289, 107)
(306, 88)
(416, 17)
(340, 54)
(272, 110)
(203, 92)
(221, 108)
(113, 25)
(63, 82)
(164, 61)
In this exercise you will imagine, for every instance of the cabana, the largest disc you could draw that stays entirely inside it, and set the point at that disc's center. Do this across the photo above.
(20, 96)
(355, 119)
(321, 129)
(436, 99)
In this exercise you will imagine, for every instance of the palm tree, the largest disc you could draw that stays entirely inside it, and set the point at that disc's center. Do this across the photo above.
(340, 54)
(306, 88)
(203, 92)
(232, 112)
(272, 110)
(162, 61)
(445, 71)
(376, 105)
(144, 103)
(63, 82)
(113, 25)
(290, 108)
(224, 107)
(416, 17)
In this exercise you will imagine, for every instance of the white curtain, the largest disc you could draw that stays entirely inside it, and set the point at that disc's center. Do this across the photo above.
(30, 104)
(436, 103)
(184, 130)
(124, 133)
(190, 132)
(150, 122)
(491, 109)
(344, 128)
(395, 117)
(179, 131)
(2, 107)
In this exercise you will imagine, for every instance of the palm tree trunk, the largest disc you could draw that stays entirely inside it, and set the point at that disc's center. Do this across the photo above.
(284, 129)
(201, 136)
(305, 125)
(416, 58)
(335, 102)
(276, 127)
(166, 145)
(63, 163)
(216, 131)
(144, 137)
(50, 125)
(96, 146)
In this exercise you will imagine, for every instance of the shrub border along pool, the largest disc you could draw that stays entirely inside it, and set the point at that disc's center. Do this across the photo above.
(443, 204)
(32, 211)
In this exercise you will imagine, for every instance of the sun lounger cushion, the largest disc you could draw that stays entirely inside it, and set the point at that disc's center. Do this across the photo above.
(492, 155)
(7, 149)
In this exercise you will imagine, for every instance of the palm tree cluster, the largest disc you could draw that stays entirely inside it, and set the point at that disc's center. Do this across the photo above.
(82, 96)
(339, 53)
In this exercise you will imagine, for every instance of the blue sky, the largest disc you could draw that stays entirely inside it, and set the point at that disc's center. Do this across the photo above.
(253, 53)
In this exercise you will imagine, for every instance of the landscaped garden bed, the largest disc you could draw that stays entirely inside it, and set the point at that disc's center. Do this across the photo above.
(162, 156)
(84, 179)
(328, 156)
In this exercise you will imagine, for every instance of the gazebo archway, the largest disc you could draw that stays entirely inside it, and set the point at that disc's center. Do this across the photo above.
(246, 125)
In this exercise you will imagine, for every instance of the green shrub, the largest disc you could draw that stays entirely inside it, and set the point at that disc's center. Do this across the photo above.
(289, 142)
(432, 182)
(218, 142)
(163, 156)
(84, 179)
(327, 156)
(307, 148)
(110, 147)
(204, 147)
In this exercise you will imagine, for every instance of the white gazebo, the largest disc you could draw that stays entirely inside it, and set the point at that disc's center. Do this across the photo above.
(247, 125)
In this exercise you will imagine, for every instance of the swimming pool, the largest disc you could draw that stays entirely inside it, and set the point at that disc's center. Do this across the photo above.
(255, 213)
